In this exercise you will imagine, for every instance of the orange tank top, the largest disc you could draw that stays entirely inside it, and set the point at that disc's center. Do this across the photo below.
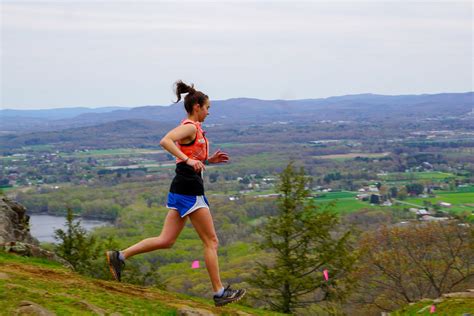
(198, 149)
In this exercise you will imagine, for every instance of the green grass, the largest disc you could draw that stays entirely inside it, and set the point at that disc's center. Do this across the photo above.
(11, 158)
(5, 189)
(262, 161)
(111, 152)
(350, 156)
(64, 299)
(39, 148)
(346, 205)
(64, 292)
(7, 258)
(448, 307)
(457, 199)
(233, 145)
(428, 175)
(260, 192)
(433, 175)
(465, 189)
(335, 195)
(345, 201)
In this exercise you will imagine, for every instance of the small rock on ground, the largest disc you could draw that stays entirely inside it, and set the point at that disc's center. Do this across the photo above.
(30, 308)
(188, 311)
(92, 308)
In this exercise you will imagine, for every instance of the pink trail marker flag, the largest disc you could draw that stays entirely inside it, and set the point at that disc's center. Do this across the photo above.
(432, 309)
(195, 264)
(326, 275)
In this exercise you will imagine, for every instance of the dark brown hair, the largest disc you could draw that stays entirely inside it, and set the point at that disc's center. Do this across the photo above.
(194, 96)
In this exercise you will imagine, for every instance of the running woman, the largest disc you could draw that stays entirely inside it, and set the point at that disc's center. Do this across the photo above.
(186, 198)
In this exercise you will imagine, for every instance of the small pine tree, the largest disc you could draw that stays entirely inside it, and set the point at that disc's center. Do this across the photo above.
(75, 245)
(301, 243)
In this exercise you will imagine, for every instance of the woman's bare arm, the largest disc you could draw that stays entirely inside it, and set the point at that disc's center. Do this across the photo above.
(182, 133)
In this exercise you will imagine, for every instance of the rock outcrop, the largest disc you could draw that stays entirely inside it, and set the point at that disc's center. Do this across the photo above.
(14, 223)
(15, 234)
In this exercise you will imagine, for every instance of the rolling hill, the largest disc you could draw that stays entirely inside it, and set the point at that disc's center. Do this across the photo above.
(351, 107)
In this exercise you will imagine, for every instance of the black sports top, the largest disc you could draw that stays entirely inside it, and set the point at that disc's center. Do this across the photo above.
(187, 181)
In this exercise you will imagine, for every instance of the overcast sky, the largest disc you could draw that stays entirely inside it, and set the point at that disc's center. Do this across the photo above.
(109, 53)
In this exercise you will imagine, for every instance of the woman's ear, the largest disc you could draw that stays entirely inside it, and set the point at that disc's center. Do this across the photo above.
(196, 106)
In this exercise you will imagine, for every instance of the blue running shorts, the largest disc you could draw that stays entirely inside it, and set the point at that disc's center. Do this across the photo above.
(186, 204)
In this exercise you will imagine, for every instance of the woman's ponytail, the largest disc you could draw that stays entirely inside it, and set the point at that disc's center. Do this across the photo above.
(193, 96)
(181, 88)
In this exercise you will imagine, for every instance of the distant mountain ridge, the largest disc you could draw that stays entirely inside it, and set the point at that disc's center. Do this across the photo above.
(248, 110)
(59, 113)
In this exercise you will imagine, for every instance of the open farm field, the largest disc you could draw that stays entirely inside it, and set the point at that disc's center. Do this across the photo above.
(6, 189)
(465, 188)
(160, 167)
(9, 159)
(352, 156)
(413, 176)
(234, 145)
(464, 152)
(113, 152)
(335, 195)
(348, 205)
(154, 166)
(265, 161)
(345, 202)
(44, 147)
(461, 201)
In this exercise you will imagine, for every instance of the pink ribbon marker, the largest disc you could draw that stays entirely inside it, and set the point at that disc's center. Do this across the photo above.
(432, 309)
(326, 275)
(195, 264)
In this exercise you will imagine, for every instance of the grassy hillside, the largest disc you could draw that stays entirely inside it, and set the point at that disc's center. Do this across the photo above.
(449, 306)
(63, 292)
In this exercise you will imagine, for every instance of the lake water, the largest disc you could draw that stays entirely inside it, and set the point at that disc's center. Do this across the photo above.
(42, 227)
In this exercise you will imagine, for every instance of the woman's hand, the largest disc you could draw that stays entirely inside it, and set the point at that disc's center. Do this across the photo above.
(197, 165)
(218, 157)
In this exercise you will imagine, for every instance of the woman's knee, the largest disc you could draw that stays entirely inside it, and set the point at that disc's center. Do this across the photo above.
(168, 243)
(212, 242)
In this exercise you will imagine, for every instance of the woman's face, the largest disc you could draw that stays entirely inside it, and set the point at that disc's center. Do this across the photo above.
(203, 111)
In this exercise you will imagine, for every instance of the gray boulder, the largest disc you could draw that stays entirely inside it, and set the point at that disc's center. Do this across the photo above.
(14, 223)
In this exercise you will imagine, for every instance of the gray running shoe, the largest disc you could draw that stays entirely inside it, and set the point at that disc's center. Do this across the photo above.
(229, 296)
(115, 264)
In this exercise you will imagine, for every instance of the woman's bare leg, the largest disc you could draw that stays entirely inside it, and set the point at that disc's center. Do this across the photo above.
(171, 229)
(202, 222)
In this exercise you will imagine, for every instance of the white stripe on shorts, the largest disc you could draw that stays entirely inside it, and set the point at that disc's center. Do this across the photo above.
(200, 203)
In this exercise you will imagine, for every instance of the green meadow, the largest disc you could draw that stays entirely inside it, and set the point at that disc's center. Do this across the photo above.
(112, 152)
(38, 148)
(345, 201)
(426, 175)
(461, 201)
